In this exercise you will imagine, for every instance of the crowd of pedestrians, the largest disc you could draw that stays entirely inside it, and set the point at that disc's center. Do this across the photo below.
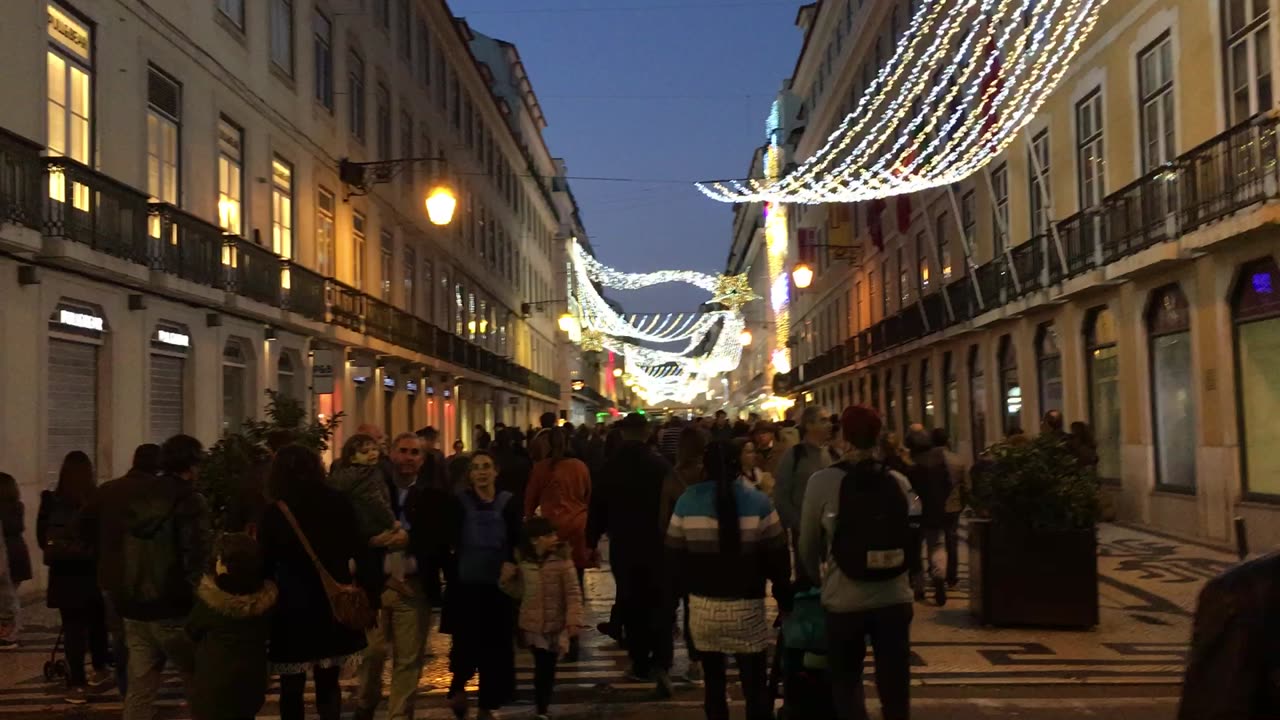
(318, 570)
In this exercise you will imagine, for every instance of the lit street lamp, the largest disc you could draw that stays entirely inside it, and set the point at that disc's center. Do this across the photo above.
(361, 177)
(745, 338)
(802, 275)
(441, 203)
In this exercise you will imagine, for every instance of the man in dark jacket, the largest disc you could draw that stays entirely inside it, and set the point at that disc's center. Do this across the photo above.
(931, 480)
(434, 472)
(427, 512)
(153, 544)
(626, 506)
(1233, 672)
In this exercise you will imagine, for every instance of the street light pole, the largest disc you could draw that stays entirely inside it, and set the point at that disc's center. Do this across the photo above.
(441, 201)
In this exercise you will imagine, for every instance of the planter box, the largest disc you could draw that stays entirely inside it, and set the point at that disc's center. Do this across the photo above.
(1030, 578)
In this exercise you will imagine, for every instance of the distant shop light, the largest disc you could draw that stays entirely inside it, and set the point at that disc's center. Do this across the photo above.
(84, 321)
(170, 337)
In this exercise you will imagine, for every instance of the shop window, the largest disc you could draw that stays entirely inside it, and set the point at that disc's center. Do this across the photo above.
(1010, 389)
(236, 364)
(926, 396)
(1102, 361)
(1049, 368)
(908, 397)
(891, 400)
(950, 398)
(977, 400)
(1256, 312)
(1173, 408)
(287, 375)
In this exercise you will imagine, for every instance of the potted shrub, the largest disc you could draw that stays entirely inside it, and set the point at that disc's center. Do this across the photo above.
(1033, 546)
(238, 463)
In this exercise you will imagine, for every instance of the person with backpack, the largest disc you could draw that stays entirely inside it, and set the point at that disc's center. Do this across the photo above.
(153, 543)
(309, 541)
(855, 536)
(229, 625)
(73, 589)
(799, 464)
(931, 479)
(477, 613)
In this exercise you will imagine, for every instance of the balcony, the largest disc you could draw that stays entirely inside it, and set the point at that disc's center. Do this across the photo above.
(20, 189)
(1232, 172)
(67, 200)
(184, 246)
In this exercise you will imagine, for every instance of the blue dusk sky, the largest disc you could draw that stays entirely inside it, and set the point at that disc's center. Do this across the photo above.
(659, 91)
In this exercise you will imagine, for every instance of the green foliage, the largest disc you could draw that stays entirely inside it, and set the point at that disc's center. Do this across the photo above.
(1038, 484)
(237, 463)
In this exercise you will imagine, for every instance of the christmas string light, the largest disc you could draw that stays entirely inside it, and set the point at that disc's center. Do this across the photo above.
(965, 79)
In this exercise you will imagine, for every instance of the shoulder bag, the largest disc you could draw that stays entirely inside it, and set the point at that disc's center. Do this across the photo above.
(349, 603)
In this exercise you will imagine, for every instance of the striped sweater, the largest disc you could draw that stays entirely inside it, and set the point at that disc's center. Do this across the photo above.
(699, 567)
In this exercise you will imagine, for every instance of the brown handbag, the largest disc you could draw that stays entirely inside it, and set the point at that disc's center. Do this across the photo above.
(349, 603)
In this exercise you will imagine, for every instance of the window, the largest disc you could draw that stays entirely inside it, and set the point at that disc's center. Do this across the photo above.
(358, 250)
(884, 288)
(281, 207)
(282, 35)
(388, 250)
(1000, 205)
(891, 401)
(286, 374)
(1102, 362)
(977, 401)
(424, 52)
(1038, 171)
(69, 68)
(382, 120)
(355, 88)
(230, 176)
(1173, 407)
(926, 396)
(875, 392)
(1256, 312)
(324, 232)
(406, 29)
(1155, 103)
(1049, 368)
(410, 267)
(904, 281)
(1010, 389)
(969, 218)
(382, 13)
(428, 292)
(323, 31)
(232, 10)
(163, 114)
(922, 258)
(950, 398)
(1248, 63)
(944, 246)
(406, 147)
(1089, 151)
(908, 397)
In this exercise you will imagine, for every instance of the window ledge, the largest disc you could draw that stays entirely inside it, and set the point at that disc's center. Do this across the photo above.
(283, 75)
(1173, 491)
(1260, 502)
(230, 26)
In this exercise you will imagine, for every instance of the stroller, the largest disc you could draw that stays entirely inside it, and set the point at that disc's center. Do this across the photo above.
(800, 662)
(55, 668)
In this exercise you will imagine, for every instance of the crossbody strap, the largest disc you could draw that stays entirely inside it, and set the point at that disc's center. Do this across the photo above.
(325, 577)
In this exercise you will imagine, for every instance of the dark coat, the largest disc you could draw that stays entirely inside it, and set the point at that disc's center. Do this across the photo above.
(72, 572)
(230, 633)
(14, 522)
(1233, 672)
(127, 506)
(627, 506)
(303, 629)
(433, 518)
(931, 479)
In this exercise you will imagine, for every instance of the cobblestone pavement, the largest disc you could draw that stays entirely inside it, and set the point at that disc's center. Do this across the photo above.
(1148, 588)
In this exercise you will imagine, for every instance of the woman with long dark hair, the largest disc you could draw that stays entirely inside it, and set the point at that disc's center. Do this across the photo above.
(305, 636)
(73, 573)
(561, 486)
(726, 543)
(477, 613)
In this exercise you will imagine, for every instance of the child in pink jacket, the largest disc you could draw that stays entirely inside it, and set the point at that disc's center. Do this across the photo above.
(546, 582)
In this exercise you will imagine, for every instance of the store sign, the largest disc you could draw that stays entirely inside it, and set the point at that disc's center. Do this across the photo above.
(431, 390)
(68, 33)
(577, 385)
(361, 373)
(322, 372)
(448, 394)
(171, 337)
(389, 383)
(411, 385)
(84, 321)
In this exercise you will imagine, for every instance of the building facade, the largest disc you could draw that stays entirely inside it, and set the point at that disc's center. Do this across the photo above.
(1118, 263)
(176, 238)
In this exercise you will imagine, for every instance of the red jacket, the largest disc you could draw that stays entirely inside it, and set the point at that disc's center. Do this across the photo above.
(563, 491)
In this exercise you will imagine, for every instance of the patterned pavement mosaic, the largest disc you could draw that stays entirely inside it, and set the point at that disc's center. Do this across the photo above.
(1148, 589)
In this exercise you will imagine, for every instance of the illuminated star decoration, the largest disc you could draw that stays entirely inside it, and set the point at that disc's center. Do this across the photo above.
(733, 291)
(707, 343)
(966, 77)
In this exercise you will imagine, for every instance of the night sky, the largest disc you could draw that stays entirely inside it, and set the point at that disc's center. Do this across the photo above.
(651, 90)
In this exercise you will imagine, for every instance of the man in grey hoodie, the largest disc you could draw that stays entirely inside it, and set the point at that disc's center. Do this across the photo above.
(858, 609)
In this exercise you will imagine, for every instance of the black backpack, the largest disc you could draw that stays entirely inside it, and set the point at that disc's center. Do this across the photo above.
(872, 535)
(152, 562)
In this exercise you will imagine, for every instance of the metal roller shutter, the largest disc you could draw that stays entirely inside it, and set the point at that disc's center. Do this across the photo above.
(166, 397)
(72, 402)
